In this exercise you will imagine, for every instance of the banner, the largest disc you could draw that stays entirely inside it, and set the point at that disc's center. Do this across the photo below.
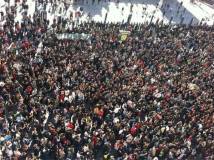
(73, 36)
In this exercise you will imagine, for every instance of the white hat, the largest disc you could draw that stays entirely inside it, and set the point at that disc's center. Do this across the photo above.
(2, 84)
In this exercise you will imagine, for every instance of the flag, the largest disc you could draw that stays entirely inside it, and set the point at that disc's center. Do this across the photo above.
(123, 37)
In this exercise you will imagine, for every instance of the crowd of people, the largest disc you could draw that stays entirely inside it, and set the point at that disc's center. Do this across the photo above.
(147, 96)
